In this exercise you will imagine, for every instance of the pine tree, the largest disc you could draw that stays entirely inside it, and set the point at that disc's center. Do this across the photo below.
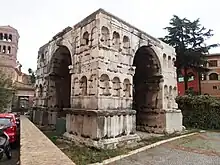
(188, 38)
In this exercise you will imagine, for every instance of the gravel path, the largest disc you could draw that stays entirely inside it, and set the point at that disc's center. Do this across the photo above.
(202, 149)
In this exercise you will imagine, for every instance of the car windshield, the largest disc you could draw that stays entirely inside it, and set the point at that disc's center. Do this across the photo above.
(5, 121)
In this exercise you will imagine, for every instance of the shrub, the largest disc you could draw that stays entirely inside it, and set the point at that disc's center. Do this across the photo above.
(201, 112)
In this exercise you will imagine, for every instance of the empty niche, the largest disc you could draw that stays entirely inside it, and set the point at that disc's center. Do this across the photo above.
(165, 60)
(105, 38)
(116, 40)
(173, 61)
(85, 39)
(127, 88)
(9, 50)
(169, 62)
(4, 49)
(83, 86)
(92, 85)
(126, 44)
(40, 91)
(104, 85)
(10, 38)
(116, 87)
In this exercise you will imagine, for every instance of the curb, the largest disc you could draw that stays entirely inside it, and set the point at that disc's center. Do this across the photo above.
(107, 161)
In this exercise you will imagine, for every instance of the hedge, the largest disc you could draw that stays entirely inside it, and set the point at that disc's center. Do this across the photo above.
(201, 111)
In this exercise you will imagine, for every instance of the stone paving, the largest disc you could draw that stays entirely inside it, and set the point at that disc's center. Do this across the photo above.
(201, 149)
(37, 149)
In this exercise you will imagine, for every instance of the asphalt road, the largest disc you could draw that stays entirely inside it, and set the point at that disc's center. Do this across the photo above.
(202, 149)
(13, 161)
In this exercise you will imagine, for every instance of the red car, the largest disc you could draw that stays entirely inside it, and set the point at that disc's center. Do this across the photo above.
(9, 120)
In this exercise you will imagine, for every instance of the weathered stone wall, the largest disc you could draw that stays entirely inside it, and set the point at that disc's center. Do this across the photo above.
(102, 49)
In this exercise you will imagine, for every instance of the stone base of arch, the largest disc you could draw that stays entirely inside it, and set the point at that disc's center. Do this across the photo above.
(101, 128)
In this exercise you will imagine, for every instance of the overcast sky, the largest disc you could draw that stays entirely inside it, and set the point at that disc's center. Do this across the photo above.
(37, 21)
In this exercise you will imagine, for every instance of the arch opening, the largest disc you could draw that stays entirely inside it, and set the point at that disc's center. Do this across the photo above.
(147, 93)
(60, 78)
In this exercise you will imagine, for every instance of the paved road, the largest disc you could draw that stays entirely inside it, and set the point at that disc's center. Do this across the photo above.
(13, 161)
(201, 149)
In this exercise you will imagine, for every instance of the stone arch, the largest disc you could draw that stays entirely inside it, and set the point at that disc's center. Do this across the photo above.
(116, 86)
(83, 86)
(213, 76)
(146, 83)
(105, 38)
(105, 85)
(60, 77)
(127, 88)
(116, 40)
(164, 60)
(85, 39)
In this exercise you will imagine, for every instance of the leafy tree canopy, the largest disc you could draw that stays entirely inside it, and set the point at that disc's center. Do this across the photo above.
(188, 38)
(6, 91)
(32, 76)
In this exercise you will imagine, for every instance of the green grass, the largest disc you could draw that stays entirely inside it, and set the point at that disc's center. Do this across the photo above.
(83, 155)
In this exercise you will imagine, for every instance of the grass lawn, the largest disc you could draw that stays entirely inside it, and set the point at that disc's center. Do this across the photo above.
(82, 155)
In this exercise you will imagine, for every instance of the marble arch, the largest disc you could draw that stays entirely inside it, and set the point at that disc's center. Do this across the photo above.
(102, 107)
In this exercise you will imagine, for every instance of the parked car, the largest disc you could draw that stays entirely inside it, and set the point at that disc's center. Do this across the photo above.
(9, 120)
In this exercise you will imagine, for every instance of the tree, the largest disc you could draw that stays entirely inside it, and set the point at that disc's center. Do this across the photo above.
(6, 91)
(32, 76)
(188, 38)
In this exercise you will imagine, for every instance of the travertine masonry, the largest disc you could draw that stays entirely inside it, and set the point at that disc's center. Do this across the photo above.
(104, 65)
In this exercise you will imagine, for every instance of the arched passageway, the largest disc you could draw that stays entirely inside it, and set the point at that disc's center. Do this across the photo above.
(60, 78)
(147, 94)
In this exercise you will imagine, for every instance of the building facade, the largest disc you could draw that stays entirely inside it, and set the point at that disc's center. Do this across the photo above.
(108, 78)
(193, 82)
(210, 83)
(9, 65)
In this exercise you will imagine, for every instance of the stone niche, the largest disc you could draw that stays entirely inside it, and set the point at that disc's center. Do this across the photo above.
(106, 129)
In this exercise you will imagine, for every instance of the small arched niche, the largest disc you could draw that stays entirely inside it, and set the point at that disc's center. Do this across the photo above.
(116, 40)
(169, 62)
(40, 91)
(104, 85)
(85, 39)
(165, 60)
(126, 44)
(83, 86)
(116, 86)
(127, 88)
(105, 38)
